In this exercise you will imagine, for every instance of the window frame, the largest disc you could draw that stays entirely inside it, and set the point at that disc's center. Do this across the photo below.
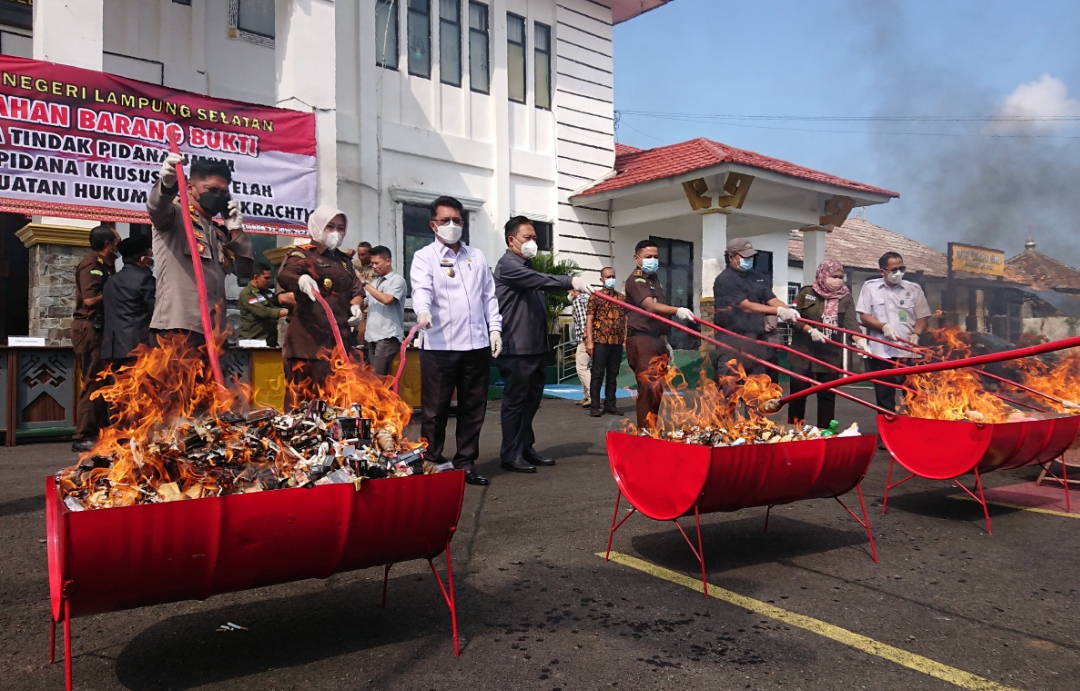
(240, 28)
(235, 32)
(524, 58)
(546, 53)
(456, 25)
(485, 33)
(410, 13)
(545, 235)
(394, 14)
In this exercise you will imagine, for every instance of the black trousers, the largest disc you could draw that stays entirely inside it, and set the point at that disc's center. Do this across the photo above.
(523, 388)
(605, 370)
(885, 395)
(441, 373)
(826, 400)
(381, 354)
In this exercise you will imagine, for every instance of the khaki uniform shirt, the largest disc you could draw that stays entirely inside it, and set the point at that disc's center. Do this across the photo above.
(639, 287)
(258, 315)
(308, 331)
(221, 251)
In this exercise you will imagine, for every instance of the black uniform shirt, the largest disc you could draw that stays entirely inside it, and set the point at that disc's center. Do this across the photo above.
(129, 305)
(730, 288)
(520, 291)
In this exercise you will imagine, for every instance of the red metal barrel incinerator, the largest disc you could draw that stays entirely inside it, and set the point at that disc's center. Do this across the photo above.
(666, 480)
(950, 449)
(106, 560)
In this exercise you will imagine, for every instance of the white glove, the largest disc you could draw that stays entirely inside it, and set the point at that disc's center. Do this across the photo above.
(913, 339)
(890, 333)
(685, 314)
(308, 286)
(670, 354)
(168, 169)
(581, 285)
(357, 313)
(496, 343)
(787, 315)
(424, 320)
(233, 220)
(865, 345)
(817, 335)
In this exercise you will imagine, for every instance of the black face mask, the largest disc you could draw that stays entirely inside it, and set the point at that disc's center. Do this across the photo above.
(214, 202)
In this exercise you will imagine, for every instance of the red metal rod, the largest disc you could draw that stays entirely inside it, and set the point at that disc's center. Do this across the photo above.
(895, 344)
(727, 347)
(942, 366)
(333, 325)
(401, 357)
(1022, 387)
(793, 351)
(196, 263)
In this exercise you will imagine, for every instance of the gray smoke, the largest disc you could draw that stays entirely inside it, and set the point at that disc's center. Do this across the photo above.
(989, 191)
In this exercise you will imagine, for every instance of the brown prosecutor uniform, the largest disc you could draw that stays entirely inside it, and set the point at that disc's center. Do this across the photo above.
(308, 331)
(86, 330)
(645, 343)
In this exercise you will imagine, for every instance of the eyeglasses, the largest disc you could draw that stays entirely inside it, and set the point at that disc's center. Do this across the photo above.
(895, 268)
(443, 221)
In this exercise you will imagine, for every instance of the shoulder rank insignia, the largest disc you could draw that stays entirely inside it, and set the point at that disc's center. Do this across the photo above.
(639, 280)
(100, 260)
(95, 272)
(297, 254)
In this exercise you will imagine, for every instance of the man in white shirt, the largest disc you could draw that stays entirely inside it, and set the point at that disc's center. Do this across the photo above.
(894, 309)
(385, 302)
(453, 295)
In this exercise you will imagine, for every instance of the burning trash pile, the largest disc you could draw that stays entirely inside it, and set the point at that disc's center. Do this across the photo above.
(176, 435)
(725, 413)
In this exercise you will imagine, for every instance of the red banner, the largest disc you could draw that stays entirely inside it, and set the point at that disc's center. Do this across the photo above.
(86, 144)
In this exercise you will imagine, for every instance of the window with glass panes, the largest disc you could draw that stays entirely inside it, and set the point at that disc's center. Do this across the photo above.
(256, 17)
(450, 42)
(416, 233)
(515, 57)
(542, 66)
(479, 48)
(543, 235)
(386, 33)
(419, 28)
(676, 274)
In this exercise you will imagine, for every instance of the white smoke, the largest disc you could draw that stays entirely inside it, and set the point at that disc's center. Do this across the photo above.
(1039, 106)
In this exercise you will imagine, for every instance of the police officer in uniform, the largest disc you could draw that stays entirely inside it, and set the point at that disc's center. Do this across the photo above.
(318, 268)
(259, 311)
(129, 303)
(90, 277)
(646, 345)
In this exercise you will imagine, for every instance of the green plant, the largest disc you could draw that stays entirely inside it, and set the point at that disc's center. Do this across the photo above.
(556, 301)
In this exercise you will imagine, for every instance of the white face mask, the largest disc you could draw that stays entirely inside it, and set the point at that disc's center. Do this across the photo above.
(449, 233)
(894, 277)
(333, 240)
(529, 249)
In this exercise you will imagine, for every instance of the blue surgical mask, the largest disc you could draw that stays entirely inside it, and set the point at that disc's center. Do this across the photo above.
(650, 265)
(609, 283)
(745, 263)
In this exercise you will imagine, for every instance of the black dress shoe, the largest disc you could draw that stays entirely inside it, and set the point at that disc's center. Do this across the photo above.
(518, 465)
(612, 410)
(474, 478)
(595, 412)
(537, 459)
(81, 445)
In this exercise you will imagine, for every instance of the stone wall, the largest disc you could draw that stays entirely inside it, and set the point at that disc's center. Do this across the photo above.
(52, 291)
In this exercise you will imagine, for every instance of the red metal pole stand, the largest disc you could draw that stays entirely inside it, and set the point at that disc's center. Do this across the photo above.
(196, 263)
(864, 521)
(448, 593)
(699, 553)
(725, 346)
(614, 527)
(977, 497)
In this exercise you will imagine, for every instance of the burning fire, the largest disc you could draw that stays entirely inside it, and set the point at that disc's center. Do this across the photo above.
(175, 433)
(719, 413)
(1062, 380)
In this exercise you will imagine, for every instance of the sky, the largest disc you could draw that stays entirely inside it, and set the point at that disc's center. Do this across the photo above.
(970, 109)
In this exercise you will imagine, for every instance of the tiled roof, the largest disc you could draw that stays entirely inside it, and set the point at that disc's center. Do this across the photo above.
(636, 166)
(859, 243)
(1041, 271)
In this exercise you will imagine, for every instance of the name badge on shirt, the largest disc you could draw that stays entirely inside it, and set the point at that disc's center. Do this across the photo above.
(448, 267)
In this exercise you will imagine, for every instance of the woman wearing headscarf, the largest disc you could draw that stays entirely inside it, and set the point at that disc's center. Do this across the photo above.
(319, 268)
(828, 300)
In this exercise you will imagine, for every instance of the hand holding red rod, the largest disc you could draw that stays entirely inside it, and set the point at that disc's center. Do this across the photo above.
(401, 357)
(196, 262)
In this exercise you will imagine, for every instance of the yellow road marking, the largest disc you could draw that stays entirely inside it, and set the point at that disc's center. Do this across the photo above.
(1033, 509)
(952, 675)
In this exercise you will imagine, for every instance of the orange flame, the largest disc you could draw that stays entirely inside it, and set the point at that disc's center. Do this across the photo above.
(953, 394)
(1061, 380)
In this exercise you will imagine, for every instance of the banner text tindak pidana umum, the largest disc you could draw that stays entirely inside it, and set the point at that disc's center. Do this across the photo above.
(85, 144)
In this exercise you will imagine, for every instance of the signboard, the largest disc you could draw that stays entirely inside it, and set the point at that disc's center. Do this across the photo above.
(86, 144)
(981, 261)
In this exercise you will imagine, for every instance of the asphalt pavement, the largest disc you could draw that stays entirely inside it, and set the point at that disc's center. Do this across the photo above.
(801, 606)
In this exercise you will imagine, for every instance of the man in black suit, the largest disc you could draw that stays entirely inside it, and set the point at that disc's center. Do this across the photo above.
(129, 303)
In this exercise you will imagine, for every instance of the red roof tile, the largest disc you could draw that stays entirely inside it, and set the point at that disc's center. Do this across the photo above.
(1041, 271)
(859, 243)
(636, 166)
